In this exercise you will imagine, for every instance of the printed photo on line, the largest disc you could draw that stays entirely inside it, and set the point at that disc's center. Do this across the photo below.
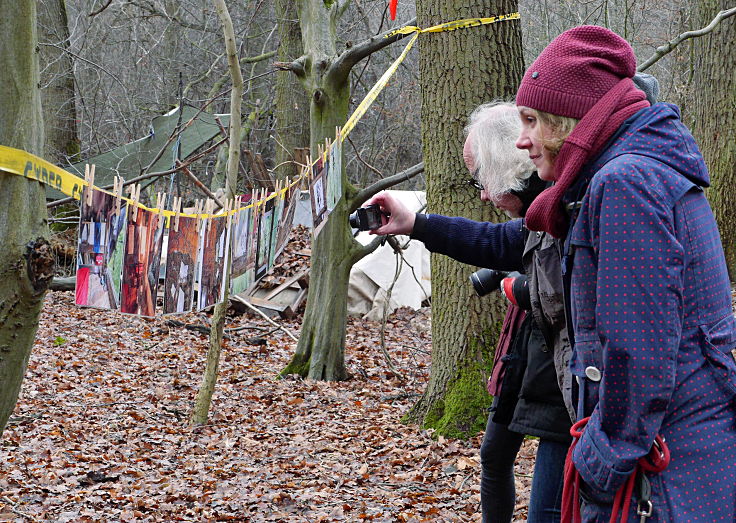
(291, 200)
(141, 263)
(264, 239)
(318, 198)
(334, 176)
(181, 258)
(278, 209)
(240, 277)
(100, 252)
(214, 252)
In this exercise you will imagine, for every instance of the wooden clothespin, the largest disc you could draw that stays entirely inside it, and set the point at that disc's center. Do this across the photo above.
(208, 208)
(160, 199)
(198, 212)
(176, 207)
(135, 194)
(160, 203)
(117, 184)
(89, 177)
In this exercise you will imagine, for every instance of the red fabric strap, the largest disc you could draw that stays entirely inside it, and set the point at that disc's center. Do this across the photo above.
(655, 461)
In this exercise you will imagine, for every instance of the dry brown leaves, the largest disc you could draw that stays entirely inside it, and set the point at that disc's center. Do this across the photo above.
(100, 432)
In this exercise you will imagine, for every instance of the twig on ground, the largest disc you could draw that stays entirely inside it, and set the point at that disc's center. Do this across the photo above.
(269, 320)
(11, 506)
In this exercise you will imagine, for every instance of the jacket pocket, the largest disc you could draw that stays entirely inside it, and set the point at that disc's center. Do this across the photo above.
(548, 275)
(720, 340)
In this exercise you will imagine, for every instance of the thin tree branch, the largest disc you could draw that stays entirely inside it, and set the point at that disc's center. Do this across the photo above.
(296, 67)
(95, 13)
(269, 320)
(380, 185)
(98, 66)
(360, 158)
(199, 184)
(360, 251)
(669, 46)
(341, 67)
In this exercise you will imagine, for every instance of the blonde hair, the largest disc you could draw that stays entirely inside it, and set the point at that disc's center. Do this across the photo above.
(501, 167)
(559, 128)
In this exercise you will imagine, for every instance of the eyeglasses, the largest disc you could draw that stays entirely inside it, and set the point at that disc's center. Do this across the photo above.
(475, 184)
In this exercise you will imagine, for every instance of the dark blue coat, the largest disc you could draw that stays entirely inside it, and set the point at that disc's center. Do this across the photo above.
(651, 309)
(530, 401)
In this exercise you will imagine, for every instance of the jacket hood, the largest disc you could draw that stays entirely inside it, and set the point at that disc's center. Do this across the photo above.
(658, 133)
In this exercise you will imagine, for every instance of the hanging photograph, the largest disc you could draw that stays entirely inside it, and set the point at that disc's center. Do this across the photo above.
(318, 198)
(264, 238)
(99, 252)
(214, 252)
(181, 258)
(278, 209)
(291, 200)
(141, 263)
(334, 177)
(240, 277)
(253, 227)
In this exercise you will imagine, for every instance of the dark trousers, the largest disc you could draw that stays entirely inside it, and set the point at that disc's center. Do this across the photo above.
(497, 492)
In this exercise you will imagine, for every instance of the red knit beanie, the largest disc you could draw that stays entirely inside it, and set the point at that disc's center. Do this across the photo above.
(575, 70)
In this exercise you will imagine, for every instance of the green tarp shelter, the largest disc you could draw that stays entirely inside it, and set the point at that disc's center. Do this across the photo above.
(128, 160)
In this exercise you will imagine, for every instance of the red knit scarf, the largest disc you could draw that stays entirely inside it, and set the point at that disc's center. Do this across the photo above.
(586, 140)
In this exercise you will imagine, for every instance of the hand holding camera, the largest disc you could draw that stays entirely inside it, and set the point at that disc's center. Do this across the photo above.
(393, 216)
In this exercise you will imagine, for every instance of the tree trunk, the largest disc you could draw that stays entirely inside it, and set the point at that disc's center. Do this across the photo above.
(57, 78)
(292, 125)
(320, 353)
(26, 260)
(712, 117)
(460, 70)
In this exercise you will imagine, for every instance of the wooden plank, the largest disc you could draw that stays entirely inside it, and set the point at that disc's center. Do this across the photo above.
(297, 278)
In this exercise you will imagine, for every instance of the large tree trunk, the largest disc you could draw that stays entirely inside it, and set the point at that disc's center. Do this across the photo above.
(57, 80)
(292, 124)
(320, 353)
(712, 117)
(26, 262)
(460, 70)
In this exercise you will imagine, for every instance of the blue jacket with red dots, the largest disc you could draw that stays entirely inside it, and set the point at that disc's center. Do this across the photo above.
(654, 329)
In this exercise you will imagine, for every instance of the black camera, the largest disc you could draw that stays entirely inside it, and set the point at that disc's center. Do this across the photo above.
(487, 280)
(366, 218)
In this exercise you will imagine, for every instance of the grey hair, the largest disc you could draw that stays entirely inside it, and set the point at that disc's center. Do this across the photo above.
(500, 166)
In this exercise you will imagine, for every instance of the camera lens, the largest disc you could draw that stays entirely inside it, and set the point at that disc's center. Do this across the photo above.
(354, 220)
(486, 280)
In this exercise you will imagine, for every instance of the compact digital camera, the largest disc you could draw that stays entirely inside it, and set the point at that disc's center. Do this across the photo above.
(366, 218)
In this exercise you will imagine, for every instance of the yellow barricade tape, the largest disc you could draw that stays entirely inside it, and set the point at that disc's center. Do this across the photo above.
(447, 26)
(375, 90)
(22, 163)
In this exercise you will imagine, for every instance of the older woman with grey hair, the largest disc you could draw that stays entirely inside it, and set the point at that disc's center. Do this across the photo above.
(528, 400)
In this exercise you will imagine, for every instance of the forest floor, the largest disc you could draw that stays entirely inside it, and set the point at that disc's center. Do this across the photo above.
(101, 431)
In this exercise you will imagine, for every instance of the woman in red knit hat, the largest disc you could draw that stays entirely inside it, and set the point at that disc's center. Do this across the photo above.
(647, 292)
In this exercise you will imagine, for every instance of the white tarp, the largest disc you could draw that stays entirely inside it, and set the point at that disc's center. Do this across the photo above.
(373, 278)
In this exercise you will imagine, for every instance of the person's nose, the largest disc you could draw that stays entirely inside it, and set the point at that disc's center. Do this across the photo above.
(523, 142)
